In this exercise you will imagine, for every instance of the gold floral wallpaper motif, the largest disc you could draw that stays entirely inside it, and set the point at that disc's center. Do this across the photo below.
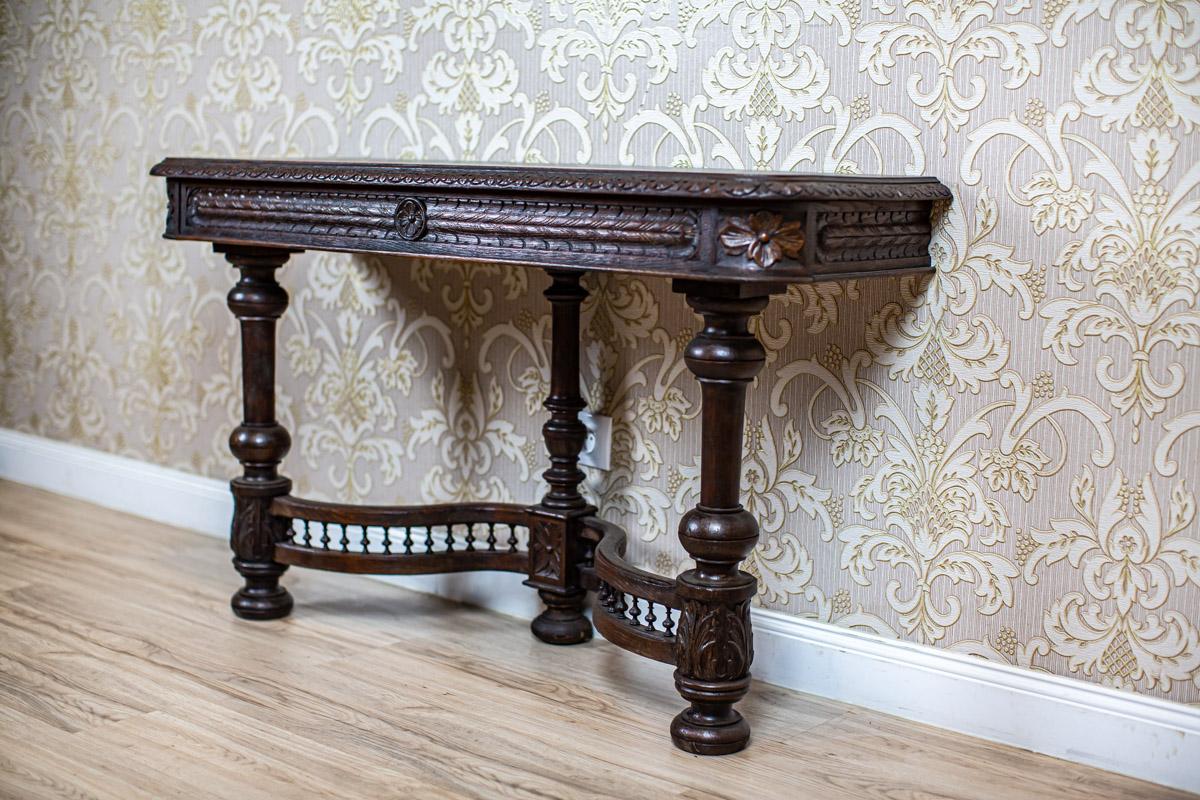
(994, 460)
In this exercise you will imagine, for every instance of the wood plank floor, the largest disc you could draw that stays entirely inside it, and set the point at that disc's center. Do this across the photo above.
(123, 675)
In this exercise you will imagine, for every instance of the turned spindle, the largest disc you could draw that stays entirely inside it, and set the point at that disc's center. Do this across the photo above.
(259, 442)
(714, 646)
(555, 547)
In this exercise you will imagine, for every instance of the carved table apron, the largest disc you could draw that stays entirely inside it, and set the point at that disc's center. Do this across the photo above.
(728, 241)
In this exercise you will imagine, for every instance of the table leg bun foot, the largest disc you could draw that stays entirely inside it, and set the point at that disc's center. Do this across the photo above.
(710, 731)
(563, 621)
(262, 597)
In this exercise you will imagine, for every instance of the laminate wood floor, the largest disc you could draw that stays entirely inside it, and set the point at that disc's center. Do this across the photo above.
(124, 675)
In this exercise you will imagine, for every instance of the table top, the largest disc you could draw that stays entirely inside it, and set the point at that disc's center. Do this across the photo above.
(745, 227)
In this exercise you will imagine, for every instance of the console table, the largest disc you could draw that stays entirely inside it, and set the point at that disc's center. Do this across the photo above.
(728, 240)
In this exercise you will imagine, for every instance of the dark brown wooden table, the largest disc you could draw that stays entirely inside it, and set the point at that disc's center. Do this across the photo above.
(728, 240)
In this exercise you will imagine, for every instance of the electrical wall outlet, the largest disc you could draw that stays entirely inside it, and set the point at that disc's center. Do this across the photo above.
(597, 448)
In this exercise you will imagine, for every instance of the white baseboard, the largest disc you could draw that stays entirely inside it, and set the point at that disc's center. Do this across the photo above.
(1146, 738)
(125, 484)
(1143, 737)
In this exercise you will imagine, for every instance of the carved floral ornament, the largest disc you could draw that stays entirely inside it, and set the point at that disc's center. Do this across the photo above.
(410, 219)
(763, 237)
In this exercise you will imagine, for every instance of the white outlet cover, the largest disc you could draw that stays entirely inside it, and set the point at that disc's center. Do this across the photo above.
(597, 448)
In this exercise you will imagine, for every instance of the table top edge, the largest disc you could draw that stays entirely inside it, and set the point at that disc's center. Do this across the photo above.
(699, 185)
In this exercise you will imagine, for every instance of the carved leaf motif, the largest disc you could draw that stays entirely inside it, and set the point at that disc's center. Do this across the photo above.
(714, 642)
(763, 237)
(256, 529)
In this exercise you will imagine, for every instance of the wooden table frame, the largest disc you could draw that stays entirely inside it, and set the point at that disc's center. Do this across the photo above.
(728, 241)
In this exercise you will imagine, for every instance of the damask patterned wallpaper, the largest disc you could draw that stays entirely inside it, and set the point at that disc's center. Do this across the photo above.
(996, 460)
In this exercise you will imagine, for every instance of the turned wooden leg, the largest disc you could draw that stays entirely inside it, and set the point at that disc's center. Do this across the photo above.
(555, 547)
(714, 646)
(260, 442)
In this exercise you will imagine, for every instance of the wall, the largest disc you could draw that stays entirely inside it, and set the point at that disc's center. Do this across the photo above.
(994, 460)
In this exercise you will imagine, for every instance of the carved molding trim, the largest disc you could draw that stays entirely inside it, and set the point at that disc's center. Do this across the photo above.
(579, 227)
(572, 226)
(872, 234)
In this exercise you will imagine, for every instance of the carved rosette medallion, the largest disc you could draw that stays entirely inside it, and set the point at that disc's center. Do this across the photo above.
(409, 220)
(763, 237)
(545, 550)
